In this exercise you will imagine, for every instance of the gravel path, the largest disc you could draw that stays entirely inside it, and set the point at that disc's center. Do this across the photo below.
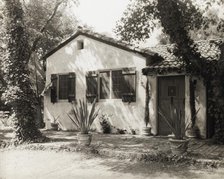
(28, 164)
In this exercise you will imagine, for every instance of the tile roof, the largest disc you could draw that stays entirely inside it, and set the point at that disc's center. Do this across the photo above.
(208, 49)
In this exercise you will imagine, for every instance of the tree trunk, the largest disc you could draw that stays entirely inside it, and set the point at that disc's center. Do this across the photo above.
(19, 93)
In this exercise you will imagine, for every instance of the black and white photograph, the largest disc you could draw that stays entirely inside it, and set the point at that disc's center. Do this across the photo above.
(104, 89)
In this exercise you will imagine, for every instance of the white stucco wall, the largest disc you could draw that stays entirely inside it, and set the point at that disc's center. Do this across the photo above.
(201, 105)
(153, 104)
(96, 56)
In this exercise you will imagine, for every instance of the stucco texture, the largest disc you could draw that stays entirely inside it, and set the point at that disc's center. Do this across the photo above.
(96, 56)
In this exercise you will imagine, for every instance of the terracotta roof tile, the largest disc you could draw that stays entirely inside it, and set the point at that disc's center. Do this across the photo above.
(208, 49)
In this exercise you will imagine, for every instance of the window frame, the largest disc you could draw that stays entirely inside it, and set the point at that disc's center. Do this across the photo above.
(110, 82)
(80, 44)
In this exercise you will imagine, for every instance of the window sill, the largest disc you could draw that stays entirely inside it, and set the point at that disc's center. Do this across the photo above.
(62, 100)
(111, 99)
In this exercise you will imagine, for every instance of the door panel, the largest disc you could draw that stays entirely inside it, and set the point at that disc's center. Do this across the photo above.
(171, 92)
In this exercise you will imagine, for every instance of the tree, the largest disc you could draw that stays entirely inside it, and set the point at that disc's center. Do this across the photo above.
(178, 19)
(46, 25)
(202, 19)
(19, 93)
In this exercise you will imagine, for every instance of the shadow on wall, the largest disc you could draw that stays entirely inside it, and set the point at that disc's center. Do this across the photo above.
(98, 56)
(122, 115)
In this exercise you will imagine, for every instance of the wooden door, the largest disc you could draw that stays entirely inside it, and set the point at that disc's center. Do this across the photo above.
(171, 92)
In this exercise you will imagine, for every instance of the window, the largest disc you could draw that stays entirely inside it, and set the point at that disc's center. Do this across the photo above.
(80, 44)
(112, 84)
(117, 84)
(171, 90)
(63, 87)
(92, 86)
(129, 86)
(105, 85)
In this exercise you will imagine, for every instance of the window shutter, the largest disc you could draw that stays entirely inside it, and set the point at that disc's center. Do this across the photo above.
(71, 87)
(92, 86)
(129, 89)
(54, 79)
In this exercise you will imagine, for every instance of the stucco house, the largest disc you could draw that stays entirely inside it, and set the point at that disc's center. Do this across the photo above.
(170, 83)
(90, 65)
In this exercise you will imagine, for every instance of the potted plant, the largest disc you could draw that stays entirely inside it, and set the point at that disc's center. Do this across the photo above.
(82, 118)
(146, 130)
(178, 142)
(192, 131)
(55, 123)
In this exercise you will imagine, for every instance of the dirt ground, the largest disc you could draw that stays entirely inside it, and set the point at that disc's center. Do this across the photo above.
(26, 164)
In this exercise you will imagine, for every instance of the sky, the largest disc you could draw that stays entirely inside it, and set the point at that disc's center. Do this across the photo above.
(101, 14)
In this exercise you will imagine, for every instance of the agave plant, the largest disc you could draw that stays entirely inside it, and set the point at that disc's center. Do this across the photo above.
(82, 117)
(174, 121)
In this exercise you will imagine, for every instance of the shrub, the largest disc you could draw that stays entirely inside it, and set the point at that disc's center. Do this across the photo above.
(133, 132)
(105, 124)
(121, 131)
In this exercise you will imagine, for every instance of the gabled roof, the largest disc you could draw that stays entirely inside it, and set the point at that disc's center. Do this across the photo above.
(102, 38)
(209, 49)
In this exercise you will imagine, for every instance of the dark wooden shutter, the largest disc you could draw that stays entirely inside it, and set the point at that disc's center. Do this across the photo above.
(91, 86)
(54, 79)
(71, 87)
(63, 87)
(129, 87)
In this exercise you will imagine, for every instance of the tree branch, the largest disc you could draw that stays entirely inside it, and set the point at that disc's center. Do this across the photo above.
(33, 47)
(24, 4)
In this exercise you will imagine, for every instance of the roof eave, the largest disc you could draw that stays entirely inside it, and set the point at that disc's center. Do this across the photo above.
(141, 52)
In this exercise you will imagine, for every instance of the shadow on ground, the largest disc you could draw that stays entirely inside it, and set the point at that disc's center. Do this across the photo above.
(154, 169)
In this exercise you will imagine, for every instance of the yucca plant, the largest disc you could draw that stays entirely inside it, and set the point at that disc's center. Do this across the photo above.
(174, 121)
(82, 117)
(178, 144)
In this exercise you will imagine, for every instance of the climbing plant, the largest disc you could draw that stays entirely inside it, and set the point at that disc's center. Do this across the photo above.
(179, 18)
(18, 93)
(147, 100)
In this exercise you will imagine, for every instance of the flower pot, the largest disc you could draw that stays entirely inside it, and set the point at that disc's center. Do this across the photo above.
(146, 131)
(84, 139)
(54, 126)
(178, 146)
(192, 132)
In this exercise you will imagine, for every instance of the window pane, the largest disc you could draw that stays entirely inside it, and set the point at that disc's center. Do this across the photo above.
(63, 86)
(104, 85)
(91, 85)
(117, 84)
(80, 44)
